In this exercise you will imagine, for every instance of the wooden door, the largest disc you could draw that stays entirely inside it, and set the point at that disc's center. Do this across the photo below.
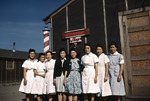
(135, 41)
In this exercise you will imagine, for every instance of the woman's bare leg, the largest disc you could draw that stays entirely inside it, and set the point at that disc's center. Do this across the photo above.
(75, 98)
(64, 97)
(27, 97)
(85, 97)
(119, 98)
(70, 97)
(59, 96)
(92, 97)
(50, 97)
(38, 98)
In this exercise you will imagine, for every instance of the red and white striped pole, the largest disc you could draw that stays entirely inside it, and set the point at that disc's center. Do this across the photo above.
(46, 39)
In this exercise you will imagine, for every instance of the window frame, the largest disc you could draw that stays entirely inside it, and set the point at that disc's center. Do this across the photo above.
(13, 63)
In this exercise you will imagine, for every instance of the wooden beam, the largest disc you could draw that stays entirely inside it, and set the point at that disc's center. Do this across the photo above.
(84, 17)
(6, 71)
(67, 18)
(126, 2)
(138, 10)
(47, 21)
(137, 15)
(123, 50)
(67, 26)
(140, 43)
(52, 45)
(141, 73)
(140, 57)
(1, 61)
(137, 29)
(105, 27)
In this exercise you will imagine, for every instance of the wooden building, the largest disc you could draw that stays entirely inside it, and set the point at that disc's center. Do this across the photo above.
(11, 70)
(125, 21)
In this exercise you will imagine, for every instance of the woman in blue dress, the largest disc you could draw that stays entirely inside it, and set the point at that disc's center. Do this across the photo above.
(72, 79)
(115, 71)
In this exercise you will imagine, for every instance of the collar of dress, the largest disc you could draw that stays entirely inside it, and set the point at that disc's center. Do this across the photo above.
(63, 59)
(33, 60)
(41, 62)
(101, 55)
(73, 60)
(49, 60)
(90, 54)
(116, 53)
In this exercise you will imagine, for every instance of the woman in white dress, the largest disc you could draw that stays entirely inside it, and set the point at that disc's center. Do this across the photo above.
(39, 72)
(90, 72)
(27, 82)
(49, 87)
(104, 85)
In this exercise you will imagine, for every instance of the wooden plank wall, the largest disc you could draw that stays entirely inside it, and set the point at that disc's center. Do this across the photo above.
(11, 75)
(139, 43)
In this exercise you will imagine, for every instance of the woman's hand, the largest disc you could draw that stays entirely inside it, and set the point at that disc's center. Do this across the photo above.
(54, 81)
(64, 82)
(119, 78)
(43, 75)
(95, 80)
(105, 78)
(25, 81)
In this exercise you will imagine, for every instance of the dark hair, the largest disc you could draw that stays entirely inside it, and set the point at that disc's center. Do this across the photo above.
(113, 43)
(31, 50)
(49, 52)
(87, 44)
(62, 49)
(40, 54)
(98, 45)
(72, 49)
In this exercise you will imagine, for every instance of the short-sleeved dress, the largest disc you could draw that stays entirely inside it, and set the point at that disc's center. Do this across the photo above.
(60, 79)
(38, 83)
(29, 65)
(104, 86)
(49, 86)
(117, 88)
(73, 81)
(88, 74)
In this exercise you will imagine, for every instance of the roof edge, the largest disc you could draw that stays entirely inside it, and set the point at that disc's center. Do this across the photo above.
(48, 18)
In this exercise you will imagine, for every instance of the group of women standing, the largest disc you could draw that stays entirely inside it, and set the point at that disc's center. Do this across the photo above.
(94, 75)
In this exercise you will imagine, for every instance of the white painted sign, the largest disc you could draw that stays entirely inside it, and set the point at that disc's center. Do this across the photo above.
(75, 39)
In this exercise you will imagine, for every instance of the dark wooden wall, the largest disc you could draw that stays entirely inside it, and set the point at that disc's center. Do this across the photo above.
(59, 26)
(11, 75)
(94, 20)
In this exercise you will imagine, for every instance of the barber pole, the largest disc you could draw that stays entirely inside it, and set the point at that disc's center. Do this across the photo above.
(46, 39)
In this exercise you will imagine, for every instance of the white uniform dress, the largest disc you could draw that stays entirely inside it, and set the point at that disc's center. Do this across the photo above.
(88, 74)
(38, 83)
(29, 65)
(105, 89)
(49, 86)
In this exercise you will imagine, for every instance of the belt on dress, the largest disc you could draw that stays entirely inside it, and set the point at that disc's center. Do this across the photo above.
(50, 69)
(29, 69)
(89, 66)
